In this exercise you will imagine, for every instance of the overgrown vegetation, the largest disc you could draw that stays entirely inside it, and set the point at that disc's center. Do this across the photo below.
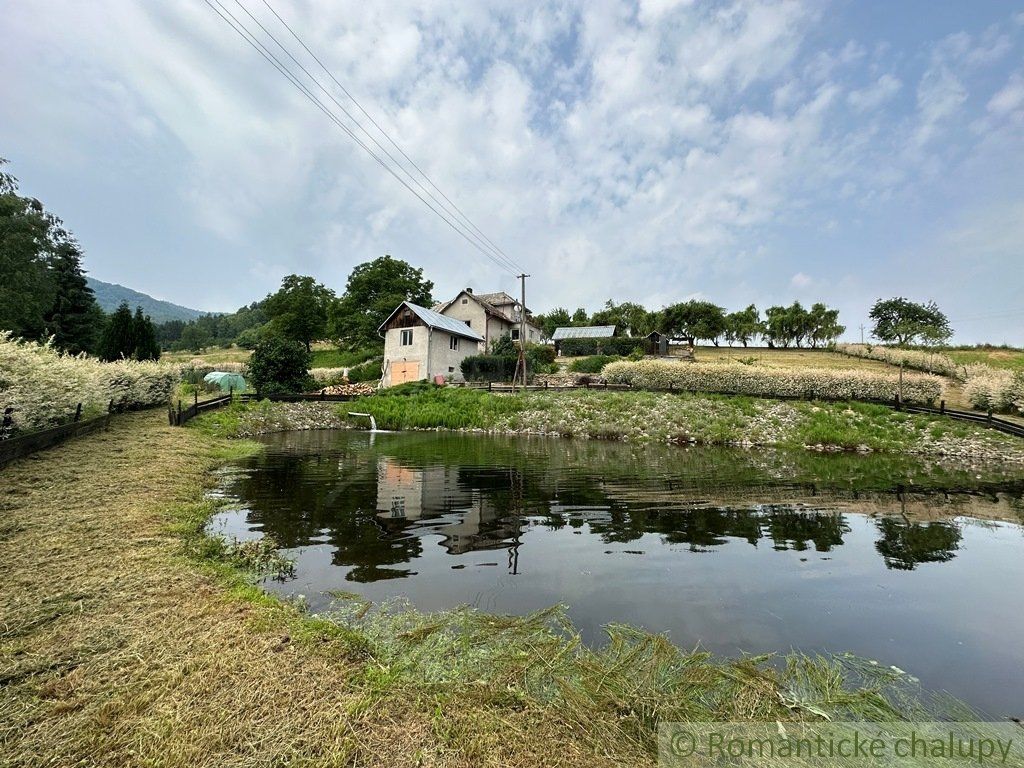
(44, 386)
(826, 383)
(644, 417)
(592, 364)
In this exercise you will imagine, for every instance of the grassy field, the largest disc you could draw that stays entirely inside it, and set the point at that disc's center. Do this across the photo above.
(786, 358)
(997, 357)
(211, 356)
(322, 356)
(129, 638)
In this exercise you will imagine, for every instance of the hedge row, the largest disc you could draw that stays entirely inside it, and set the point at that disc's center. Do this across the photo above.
(985, 387)
(988, 388)
(930, 362)
(44, 386)
(489, 368)
(617, 345)
(736, 378)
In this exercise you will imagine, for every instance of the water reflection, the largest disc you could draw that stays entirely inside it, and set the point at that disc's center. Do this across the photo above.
(376, 504)
(914, 563)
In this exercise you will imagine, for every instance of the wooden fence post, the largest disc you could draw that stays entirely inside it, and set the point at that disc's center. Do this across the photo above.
(942, 407)
(78, 413)
(989, 417)
(7, 425)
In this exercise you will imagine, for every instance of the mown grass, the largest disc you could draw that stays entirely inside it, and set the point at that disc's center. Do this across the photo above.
(129, 639)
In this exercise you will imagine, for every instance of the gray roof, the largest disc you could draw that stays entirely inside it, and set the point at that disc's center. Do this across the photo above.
(434, 319)
(584, 332)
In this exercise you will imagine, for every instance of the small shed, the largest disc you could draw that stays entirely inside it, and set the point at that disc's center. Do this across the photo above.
(657, 343)
(594, 332)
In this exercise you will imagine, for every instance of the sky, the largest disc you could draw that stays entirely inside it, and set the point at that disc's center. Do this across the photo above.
(653, 151)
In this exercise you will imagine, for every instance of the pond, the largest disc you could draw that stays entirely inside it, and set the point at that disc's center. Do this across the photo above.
(912, 563)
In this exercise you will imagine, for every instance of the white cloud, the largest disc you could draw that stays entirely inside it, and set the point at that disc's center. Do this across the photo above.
(800, 281)
(1010, 98)
(647, 151)
(876, 94)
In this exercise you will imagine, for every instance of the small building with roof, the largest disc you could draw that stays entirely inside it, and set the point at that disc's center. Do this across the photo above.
(596, 332)
(420, 343)
(492, 315)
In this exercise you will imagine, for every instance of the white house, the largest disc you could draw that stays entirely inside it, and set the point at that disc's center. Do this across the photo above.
(420, 343)
(493, 315)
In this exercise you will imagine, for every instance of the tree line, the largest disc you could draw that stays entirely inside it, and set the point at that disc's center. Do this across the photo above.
(44, 294)
(303, 310)
(698, 321)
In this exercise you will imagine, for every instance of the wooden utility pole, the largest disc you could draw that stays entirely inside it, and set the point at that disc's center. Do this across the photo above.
(521, 363)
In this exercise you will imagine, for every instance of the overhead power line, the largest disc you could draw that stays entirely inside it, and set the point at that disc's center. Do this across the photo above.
(466, 230)
(387, 136)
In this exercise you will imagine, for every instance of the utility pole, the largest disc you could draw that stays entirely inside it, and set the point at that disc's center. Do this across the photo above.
(862, 333)
(521, 363)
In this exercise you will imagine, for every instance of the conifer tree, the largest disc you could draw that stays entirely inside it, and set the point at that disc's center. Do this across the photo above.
(119, 335)
(73, 318)
(144, 334)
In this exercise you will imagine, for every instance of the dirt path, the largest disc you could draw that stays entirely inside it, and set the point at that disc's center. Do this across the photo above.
(116, 649)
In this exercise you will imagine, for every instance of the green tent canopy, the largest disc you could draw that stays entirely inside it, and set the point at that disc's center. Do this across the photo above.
(225, 381)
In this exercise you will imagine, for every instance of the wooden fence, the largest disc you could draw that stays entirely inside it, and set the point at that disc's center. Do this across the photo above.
(18, 447)
(178, 417)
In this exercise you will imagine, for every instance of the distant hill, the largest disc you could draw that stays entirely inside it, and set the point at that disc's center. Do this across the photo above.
(110, 295)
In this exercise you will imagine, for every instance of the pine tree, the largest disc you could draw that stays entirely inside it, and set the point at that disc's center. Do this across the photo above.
(144, 334)
(119, 335)
(72, 320)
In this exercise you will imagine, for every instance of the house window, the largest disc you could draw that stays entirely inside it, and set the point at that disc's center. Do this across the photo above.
(465, 301)
(453, 342)
(515, 334)
(407, 337)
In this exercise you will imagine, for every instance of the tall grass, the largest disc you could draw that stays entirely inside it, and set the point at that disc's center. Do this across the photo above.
(424, 406)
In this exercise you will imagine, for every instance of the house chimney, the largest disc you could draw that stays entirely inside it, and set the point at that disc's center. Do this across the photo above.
(469, 290)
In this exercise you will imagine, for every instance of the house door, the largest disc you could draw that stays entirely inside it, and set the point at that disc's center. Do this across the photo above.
(405, 371)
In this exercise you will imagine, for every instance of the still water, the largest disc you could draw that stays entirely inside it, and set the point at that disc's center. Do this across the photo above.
(915, 564)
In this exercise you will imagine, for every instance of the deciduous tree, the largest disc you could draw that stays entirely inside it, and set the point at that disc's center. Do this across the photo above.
(299, 309)
(373, 291)
(903, 322)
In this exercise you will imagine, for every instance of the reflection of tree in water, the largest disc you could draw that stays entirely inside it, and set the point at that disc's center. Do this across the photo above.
(329, 497)
(704, 527)
(905, 544)
(375, 504)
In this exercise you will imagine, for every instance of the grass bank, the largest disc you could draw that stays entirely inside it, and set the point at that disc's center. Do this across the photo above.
(644, 417)
(129, 638)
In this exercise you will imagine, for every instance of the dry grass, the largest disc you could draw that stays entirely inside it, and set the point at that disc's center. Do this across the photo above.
(786, 358)
(117, 649)
(213, 356)
(123, 642)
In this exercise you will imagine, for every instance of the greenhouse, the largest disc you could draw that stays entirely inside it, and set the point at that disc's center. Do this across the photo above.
(225, 381)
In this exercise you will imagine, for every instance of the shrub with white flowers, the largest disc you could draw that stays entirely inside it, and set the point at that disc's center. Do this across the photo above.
(736, 378)
(44, 386)
(921, 360)
(985, 387)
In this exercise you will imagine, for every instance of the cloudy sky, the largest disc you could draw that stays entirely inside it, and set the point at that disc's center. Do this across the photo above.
(653, 151)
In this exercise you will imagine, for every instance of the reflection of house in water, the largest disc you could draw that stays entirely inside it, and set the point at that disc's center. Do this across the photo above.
(434, 499)
(411, 493)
